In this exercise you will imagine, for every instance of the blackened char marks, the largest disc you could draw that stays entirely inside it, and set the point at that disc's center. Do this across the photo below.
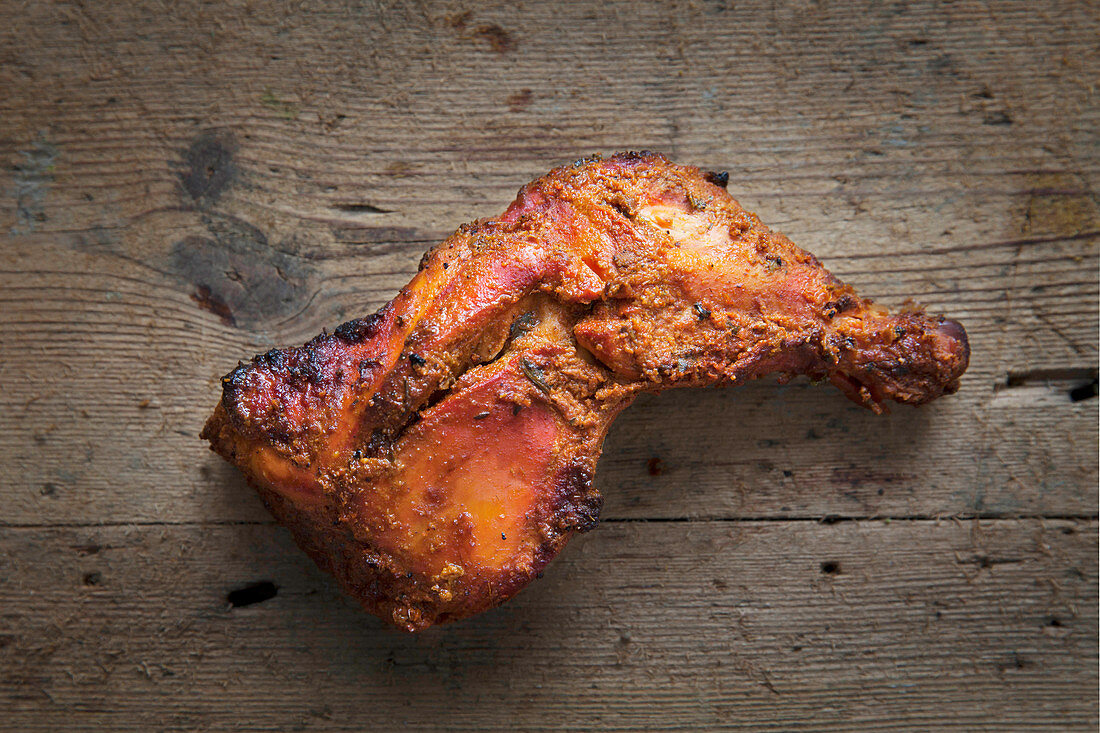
(234, 383)
(360, 329)
(308, 366)
(294, 368)
(305, 368)
(297, 367)
(720, 179)
(426, 258)
(588, 511)
(276, 359)
(841, 305)
(580, 502)
(635, 156)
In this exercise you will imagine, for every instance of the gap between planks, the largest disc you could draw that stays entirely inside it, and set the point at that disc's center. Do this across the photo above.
(829, 519)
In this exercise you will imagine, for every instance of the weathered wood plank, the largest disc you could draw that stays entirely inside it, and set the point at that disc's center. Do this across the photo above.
(186, 185)
(785, 625)
(180, 201)
(102, 453)
(111, 368)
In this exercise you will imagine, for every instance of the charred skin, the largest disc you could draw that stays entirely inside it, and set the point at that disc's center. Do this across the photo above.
(435, 456)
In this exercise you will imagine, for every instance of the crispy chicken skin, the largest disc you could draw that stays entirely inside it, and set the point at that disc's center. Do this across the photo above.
(436, 455)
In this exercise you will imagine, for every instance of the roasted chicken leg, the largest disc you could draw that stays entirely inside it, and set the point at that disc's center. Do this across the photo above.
(436, 455)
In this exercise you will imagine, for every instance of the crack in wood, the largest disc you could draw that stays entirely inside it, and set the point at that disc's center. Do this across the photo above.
(1078, 383)
(360, 209)
(1067, 374)
(794, 518)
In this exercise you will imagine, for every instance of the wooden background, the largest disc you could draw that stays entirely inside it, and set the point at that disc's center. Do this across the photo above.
(185, 184)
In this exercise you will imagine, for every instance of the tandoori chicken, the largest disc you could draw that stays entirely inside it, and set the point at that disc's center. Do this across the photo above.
(436, 455)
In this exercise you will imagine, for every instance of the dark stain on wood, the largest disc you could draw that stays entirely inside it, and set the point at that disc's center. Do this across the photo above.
(521, 100)
(499, 40)
(655, 466)
(32, 178)
(208, 301)
(238, 275)
(460, 20)
(209, 167)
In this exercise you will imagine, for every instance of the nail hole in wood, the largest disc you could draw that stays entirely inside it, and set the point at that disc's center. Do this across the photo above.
(252, 594)
(1083, 392)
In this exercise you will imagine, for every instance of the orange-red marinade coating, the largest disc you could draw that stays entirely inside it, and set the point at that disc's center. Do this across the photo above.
(437, 455)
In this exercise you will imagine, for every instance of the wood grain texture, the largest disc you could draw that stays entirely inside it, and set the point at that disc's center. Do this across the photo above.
(184, 185)
(786, 625)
